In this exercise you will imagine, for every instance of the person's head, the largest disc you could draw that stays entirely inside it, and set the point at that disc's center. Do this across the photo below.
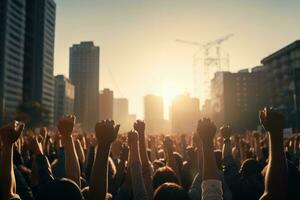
(251, 172)
(250, 168)
(60, 190)
(170, 191)
(186, 175)
(163, 175)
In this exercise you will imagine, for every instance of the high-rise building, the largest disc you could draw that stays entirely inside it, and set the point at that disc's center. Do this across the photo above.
(120, 113)
(282, 74)
(64, 97)
(236, 98)
(185, 113)
(153, 113)
(38, 81)
(84, 74)
(12, 33)
(106, 103)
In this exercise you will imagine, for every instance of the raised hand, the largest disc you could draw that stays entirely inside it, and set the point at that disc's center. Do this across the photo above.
(276, 174)
(206, 130)
(66, 125)
(106, 132)
(139, 126)
(10, 133)
(168, 142)
(133, 138)
(226, 131)
(271, 120)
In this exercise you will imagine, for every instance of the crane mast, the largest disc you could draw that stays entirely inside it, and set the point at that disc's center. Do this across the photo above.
(206, 63)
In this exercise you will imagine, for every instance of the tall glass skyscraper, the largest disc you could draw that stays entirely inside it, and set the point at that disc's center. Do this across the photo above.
(84, 74)
(38, 82)
(27, 30)
(12, 29)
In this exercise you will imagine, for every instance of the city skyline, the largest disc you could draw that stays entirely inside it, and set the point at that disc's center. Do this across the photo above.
(138, 38)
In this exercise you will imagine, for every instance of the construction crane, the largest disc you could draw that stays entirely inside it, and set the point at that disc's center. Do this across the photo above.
(208, 60)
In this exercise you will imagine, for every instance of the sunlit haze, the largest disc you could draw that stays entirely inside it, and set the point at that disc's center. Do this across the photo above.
(138, 52)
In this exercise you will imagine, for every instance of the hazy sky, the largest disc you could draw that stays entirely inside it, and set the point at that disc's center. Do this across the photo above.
(138, 52)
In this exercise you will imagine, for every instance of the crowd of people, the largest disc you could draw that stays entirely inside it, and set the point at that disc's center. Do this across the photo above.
(209, 164)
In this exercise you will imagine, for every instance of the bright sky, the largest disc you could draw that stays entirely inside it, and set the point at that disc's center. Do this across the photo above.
(138, 52)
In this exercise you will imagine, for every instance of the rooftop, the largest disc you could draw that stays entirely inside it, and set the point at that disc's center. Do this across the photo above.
(291, 46)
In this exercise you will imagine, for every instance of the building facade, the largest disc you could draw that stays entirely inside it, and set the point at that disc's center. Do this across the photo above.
(153, 113)
(64, 97)
(38, 81)
(184, 115)
(84, 74)
(236, 98)
(283, 76)
(106, 103)
(120, 113)
(12, 34)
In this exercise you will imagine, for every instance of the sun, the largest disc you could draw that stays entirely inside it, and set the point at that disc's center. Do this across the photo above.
(169, 91)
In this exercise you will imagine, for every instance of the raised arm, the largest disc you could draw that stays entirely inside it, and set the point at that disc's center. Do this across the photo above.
(276, 175)
(168, 145)
(9, 135)
(139, 126)
(72, 169)
(106, 133)
(226, 133)
(211, 185)
(135, 166)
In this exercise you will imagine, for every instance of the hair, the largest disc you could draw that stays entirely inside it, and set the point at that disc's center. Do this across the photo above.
(170, 191)
(60, 189)
(163, 175)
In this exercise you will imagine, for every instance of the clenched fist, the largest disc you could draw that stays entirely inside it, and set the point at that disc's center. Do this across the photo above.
(106, 132)
(133, 138)
(10, 133)
(226, 131)
(271, 120)
(66, 125)
(206, 130)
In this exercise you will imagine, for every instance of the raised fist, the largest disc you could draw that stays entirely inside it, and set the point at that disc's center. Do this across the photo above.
(106, 131)
(139, 126)
(226, 131)
(11, 132)
(271, 120)
(206, 130)
(66, 124)
(168, 142)
(133, 138)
